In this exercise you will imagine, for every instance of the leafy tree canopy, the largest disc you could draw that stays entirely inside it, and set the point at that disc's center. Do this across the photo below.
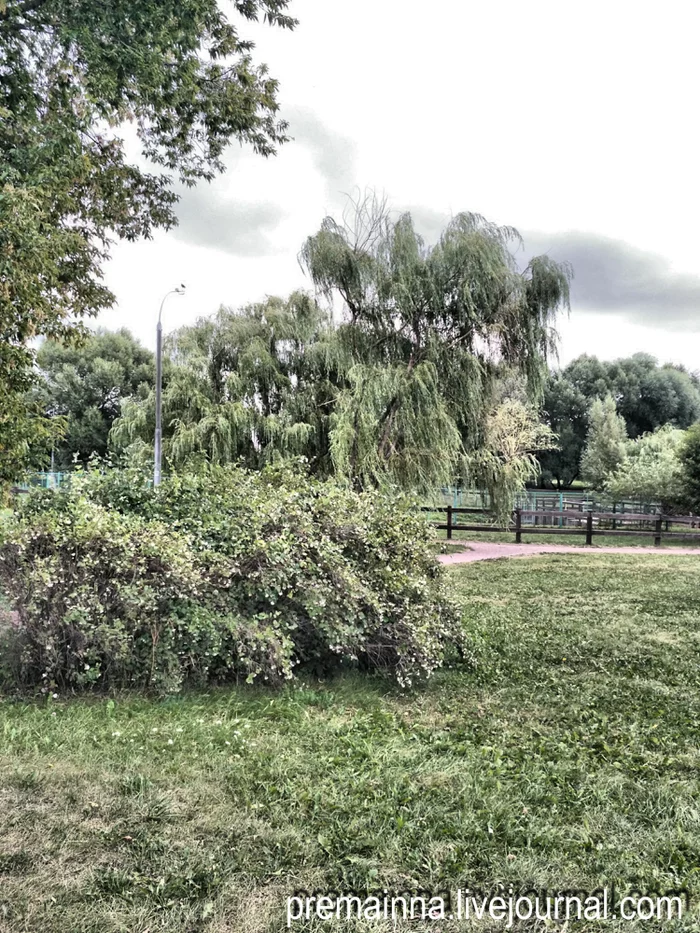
(393, 384)
(86, 384)
(71, 75)
(689, 457)
(647, 395)
(651, 470)
(605, 443)
(427, 328)
(252, 385)
(566, 412)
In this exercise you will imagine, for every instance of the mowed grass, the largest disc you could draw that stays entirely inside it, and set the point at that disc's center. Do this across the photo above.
(565, 754)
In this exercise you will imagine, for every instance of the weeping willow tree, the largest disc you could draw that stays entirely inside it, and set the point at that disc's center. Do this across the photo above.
(396, 382)
(250, 386)
(427, 329)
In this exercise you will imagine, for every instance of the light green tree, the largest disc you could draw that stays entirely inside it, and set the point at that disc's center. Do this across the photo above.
(689, 456)
(605, 443)
(652, 470)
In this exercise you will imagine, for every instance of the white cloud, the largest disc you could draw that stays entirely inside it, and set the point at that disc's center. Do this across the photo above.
(547, 116)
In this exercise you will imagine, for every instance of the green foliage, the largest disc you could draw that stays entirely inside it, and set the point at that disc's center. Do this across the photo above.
(605, 443)
(27, 436)
(565, 409)
(398, 392)
(507, 460)
(71, 76)
(222, 574)
(103, 598)
(689, 457)
(651, 470)
(647, 395)
(429, 326)
(86, 384)
(251, 385)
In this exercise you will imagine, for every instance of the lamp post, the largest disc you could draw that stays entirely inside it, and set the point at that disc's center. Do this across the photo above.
(180, 290)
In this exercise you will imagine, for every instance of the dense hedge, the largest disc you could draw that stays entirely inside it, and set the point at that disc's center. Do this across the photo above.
(219, 575)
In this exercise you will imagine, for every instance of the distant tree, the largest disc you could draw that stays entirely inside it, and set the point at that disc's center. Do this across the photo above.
(652, 470)
(86, 385)
(605, 443)
(565, 410)
(72, 75)
(647, 395)
(689, 457)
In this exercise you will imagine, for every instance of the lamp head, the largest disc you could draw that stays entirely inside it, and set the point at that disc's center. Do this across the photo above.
(180, 290)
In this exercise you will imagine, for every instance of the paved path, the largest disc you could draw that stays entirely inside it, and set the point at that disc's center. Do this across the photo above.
(491, 550)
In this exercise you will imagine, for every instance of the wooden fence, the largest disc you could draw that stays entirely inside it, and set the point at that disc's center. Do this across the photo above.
(589, 523)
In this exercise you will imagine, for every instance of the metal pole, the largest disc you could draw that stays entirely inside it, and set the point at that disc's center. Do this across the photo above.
(159, 387)
(180, 290)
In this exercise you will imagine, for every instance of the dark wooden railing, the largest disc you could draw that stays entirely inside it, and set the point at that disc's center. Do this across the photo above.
(589, 524)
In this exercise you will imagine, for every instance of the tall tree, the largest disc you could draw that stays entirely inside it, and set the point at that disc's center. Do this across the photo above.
(399, 390)
(426, 328)
(605, 443)
(72, 74)
(565, 410)
(86, 385)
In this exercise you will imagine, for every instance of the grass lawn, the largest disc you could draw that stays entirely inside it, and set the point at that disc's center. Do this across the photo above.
(566, 755)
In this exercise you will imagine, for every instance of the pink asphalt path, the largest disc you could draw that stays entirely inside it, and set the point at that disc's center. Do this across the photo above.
(491, 550)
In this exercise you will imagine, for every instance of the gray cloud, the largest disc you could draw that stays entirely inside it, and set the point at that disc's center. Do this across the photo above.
(334, 155)
(239, 227)
(610, 275)
(208, 216)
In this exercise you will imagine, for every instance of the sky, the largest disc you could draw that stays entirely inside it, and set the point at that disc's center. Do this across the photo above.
(575, 123)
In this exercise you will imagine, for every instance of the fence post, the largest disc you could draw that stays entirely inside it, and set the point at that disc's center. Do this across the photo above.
(589, 527)
(449, 522)
(518, 526)
(657, 533)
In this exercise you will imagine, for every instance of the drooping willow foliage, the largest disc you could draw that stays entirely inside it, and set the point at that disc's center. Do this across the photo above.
(247, 386)
(394, 383)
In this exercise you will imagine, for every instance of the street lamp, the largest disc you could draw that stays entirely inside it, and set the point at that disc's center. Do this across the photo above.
(180, 290)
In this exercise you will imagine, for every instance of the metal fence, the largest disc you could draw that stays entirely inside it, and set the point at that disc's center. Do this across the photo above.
(49, 480)
(549, 500)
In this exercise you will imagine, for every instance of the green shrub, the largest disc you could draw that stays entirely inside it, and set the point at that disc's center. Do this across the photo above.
(228, 573)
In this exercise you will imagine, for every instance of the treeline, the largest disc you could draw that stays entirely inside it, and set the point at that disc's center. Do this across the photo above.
(428, 376)
(628, 428)
(253, 385)
(644, 394)
(411, 365)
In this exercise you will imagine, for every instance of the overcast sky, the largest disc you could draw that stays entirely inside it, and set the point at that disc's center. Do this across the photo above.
(574, 122)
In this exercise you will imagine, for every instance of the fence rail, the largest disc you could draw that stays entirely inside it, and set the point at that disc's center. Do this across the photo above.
(585, 523)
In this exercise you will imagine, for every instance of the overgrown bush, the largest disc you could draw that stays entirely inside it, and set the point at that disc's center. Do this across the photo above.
(223, 574)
